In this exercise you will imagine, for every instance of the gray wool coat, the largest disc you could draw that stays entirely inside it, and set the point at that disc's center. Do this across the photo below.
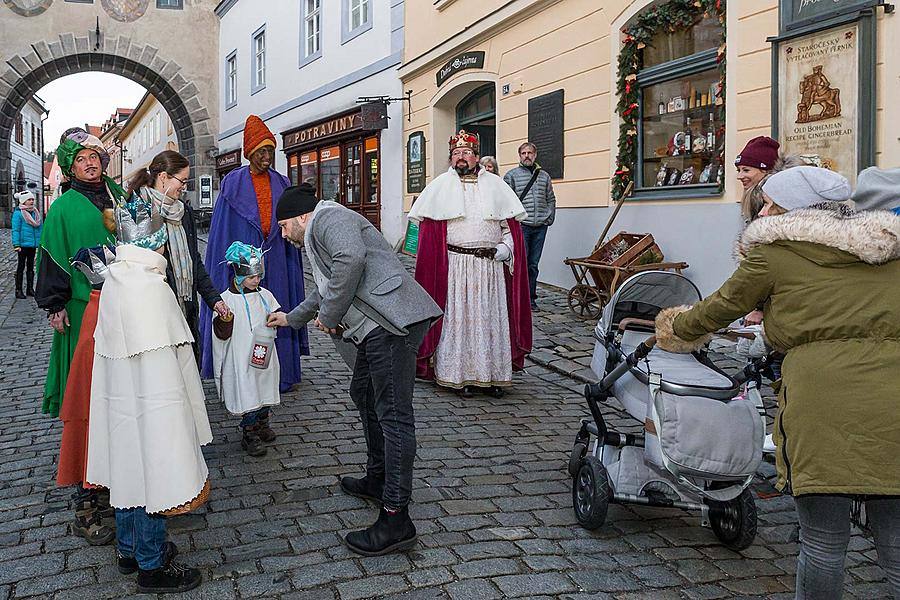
(363, 271)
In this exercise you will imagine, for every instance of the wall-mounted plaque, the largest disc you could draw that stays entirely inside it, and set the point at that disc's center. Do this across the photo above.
(796, 14)
(546, 129)
(822, 105)
(415, 163)
(466, 60)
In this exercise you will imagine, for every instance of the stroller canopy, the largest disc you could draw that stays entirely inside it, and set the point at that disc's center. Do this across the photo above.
(642, 296)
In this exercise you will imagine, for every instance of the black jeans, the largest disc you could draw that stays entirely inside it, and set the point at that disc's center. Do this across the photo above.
(26, 266)
(382, 389)
(534, 246)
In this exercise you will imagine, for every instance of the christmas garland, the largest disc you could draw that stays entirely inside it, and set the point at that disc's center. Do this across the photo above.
(673, 15)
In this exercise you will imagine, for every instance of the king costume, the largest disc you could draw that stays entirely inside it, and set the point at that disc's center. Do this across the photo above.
(245, 212)
(471, 260)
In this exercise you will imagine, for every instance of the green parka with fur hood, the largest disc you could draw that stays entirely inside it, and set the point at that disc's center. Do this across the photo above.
(830, 286)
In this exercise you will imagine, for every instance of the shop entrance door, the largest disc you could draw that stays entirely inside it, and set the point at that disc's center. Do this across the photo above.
(477, 114)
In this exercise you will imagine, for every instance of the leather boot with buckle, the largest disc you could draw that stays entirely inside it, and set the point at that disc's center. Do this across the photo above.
(251, 443)
(392, 532)
(87, 522)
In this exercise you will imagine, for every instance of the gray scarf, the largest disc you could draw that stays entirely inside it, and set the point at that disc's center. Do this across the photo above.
(172, 212)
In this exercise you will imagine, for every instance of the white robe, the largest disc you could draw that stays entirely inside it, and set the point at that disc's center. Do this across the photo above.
(474, 348)
(148, 414)
(244, 388)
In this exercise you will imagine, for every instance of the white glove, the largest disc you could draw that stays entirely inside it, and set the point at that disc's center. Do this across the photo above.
(503, 253)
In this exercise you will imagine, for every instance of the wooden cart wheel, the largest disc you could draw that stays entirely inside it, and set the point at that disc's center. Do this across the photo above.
(585, 301)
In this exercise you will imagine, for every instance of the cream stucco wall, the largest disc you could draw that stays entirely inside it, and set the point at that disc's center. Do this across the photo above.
(539, 46)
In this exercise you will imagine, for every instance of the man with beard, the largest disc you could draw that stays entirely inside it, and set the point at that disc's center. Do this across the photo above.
(80, 218)
(245, 212)
(471, 259)
(535, 189)
(377, 316)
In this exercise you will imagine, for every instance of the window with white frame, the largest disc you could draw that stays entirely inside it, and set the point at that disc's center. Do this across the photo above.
(231, 80)
(175, 4)
(156, 129)
(312, 34)
(357, 18)
(258, 76)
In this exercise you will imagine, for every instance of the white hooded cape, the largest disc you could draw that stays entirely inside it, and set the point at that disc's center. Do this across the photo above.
(443, 199)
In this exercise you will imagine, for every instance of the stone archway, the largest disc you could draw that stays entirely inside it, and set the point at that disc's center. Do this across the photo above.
(144, 64)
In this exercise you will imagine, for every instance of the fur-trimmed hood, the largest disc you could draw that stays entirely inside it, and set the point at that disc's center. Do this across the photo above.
(871, 236)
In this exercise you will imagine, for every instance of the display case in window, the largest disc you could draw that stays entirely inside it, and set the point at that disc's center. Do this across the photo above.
(679, 129)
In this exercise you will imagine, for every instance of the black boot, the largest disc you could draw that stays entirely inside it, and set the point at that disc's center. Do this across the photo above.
(496, 391)
(265, 432)
(29, 289)
(392, 532)
(363, 488)
(19, 294)
(467, 391)
(168, 579)
(128, 564)
(251, 443)
(87, 522)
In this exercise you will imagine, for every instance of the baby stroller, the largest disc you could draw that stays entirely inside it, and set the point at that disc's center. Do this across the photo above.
(700, 446)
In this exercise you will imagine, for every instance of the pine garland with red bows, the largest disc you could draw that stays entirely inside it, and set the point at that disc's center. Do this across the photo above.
(673, 15)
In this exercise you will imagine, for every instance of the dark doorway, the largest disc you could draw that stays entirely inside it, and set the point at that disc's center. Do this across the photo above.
(477, 113)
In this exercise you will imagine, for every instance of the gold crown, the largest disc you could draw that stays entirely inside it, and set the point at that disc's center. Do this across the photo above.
(464, 140)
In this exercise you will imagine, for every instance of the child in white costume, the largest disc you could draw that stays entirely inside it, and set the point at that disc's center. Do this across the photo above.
(244, 357)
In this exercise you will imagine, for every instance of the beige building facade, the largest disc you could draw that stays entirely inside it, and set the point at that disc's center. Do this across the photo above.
(532, 48)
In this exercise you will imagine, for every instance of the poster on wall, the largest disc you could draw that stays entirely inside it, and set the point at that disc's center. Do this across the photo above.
(819, 98)
(415, 163)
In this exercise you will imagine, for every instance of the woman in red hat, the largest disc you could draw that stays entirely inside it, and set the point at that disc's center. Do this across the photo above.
(760, 157)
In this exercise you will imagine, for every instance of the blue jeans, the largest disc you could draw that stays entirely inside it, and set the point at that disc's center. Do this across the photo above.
(252, 418)
(825, 533)
(382, 389)
(534, 246)
(141, 536)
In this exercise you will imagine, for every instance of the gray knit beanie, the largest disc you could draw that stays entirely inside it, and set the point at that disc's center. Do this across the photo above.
(801, 187)
(877, 189)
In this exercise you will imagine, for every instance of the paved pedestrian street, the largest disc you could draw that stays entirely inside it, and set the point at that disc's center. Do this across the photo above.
(492, 499)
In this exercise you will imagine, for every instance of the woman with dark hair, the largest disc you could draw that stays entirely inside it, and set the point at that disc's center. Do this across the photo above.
(163, 183)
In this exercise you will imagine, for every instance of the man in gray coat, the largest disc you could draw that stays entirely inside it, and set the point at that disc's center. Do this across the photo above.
(366, 301)
(535, 191)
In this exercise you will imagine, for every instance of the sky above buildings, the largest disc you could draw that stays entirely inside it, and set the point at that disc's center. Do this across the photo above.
(85, 98)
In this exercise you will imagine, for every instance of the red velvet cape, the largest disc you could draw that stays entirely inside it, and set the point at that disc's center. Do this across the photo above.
(431, 273)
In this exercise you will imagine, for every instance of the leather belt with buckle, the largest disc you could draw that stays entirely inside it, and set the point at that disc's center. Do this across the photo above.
(487, 253)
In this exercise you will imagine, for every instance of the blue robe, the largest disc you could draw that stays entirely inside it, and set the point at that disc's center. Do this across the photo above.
(236, 218)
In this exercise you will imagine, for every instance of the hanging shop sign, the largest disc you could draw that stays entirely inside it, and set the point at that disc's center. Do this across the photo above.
(228, 160)
(415, 163)
(466, 60)
(799, 13)
(823, 97)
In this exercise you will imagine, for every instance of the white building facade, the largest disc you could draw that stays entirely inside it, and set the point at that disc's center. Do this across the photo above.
(147, 132)
(27, 146)
(302, 66)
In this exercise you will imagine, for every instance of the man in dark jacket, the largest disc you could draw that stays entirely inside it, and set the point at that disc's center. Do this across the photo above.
(535, 190)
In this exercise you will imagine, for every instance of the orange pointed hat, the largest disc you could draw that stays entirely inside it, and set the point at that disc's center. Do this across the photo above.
(256, 135)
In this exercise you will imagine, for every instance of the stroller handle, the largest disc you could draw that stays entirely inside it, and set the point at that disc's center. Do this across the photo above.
(625, 323)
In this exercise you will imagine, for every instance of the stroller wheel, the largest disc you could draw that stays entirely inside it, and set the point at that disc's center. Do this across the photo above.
(579, 449)
(591, 493)
(734, 522)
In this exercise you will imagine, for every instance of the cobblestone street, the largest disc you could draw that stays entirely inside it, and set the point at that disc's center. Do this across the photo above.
(492, 498)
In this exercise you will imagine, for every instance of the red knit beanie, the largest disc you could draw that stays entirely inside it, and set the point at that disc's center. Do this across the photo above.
(760, 152)
(256, 135)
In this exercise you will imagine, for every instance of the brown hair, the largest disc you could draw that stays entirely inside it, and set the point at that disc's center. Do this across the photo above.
(167, 161)
(527, 145)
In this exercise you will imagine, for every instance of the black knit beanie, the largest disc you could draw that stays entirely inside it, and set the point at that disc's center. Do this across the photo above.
(295, 201)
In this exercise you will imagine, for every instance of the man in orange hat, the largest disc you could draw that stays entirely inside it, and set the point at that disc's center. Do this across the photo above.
(245, 212)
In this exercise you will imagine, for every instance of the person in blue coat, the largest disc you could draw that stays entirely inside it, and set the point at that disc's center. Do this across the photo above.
(245, 212)
(26, 237)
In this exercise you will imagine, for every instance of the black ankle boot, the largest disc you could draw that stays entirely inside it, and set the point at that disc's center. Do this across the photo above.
(251, 443)
(87, 522)
(363, 488)
(392, 532)
(19, 294)
(128, 564)
(168, 579)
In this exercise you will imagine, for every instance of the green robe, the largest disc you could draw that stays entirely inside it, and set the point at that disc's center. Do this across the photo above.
(72, 223)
